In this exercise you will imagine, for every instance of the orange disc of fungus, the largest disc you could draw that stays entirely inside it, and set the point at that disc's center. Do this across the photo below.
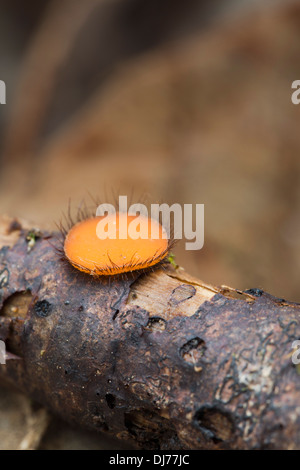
(115, 255)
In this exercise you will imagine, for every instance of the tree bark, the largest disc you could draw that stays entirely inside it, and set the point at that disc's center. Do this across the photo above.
(161, 358)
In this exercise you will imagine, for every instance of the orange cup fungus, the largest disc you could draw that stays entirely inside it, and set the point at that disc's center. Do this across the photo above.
(120, 251)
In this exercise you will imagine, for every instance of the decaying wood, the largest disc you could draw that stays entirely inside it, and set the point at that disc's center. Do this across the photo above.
(161, 358)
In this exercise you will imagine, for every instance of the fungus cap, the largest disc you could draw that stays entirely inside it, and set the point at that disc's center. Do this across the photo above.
(113, 255)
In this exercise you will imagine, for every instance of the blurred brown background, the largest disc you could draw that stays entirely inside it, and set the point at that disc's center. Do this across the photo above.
(188, 102)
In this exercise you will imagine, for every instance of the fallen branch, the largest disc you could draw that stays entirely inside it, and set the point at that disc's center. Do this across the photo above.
(163, 358)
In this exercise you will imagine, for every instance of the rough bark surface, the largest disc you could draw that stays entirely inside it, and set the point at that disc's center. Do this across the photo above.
(161, 358)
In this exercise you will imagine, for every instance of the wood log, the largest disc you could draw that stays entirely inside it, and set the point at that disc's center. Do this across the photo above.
(159, 358)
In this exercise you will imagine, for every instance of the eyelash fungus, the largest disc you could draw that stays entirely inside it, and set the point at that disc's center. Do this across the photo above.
(112, 256)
